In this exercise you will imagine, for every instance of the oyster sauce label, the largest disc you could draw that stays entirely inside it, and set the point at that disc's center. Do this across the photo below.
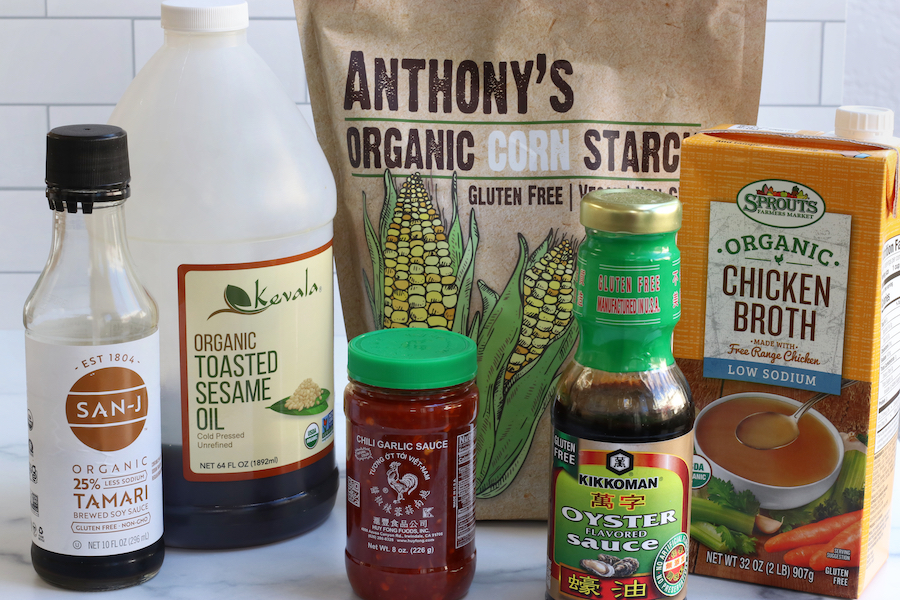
(618, 518)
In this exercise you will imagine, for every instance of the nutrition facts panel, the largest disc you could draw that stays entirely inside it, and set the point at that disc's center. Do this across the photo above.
(465, 489)
(889, 387)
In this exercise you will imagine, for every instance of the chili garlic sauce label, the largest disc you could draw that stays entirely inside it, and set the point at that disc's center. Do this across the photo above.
(776, 288)
(410, 498)
(94, 451)
(619, 517)
(256, 366)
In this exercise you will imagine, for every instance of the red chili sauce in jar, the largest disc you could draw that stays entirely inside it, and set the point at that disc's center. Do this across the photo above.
(411, 405)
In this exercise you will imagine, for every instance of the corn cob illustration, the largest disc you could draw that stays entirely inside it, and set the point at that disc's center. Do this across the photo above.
(524, 335)
(419, 279)
(421, 267)
(547, 309)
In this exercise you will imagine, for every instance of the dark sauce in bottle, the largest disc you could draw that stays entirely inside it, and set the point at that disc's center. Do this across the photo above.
(234, 514)
(623, 415)
(624, 407)
(98, 573)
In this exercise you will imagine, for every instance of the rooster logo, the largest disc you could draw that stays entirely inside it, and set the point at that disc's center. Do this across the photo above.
(402, 485)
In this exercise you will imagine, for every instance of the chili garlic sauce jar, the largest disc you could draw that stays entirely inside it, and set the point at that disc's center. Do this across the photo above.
(411, 405)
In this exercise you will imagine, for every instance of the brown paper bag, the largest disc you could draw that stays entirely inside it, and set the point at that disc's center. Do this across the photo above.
(463, 135)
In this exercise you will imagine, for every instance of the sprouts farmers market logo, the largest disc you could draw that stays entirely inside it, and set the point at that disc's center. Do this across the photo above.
(779, 203)
(238, 301)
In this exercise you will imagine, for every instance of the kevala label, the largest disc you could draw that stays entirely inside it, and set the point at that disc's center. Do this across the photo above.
(776, 288)
(239, 302)
(245, 360)
(782, 204)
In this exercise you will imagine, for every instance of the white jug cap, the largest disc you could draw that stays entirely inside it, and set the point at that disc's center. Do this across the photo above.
(866, 123)
(205, 15)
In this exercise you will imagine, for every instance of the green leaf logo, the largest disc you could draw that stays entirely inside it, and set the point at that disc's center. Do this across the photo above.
(235, 296)
(238, 302)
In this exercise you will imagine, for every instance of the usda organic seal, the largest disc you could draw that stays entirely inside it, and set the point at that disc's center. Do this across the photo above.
(702, 472)
(311, 437)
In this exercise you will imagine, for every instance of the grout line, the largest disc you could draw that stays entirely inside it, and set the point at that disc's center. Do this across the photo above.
(88, 104)
(822, 65)
(55, 104)
(799, 105)
(806, 20)
(133, 53)
(117, 18)
(46, 18)
(294, 19)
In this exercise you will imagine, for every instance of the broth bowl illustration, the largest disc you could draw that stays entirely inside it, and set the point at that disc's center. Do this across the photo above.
(780, 478)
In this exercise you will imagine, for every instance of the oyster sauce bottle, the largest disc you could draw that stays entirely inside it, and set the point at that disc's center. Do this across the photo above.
(623, 415)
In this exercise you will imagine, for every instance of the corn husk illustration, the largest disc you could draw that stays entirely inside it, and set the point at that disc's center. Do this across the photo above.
(524, 335)
(422, 269)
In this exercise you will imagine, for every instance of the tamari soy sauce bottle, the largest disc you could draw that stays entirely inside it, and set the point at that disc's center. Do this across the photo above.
(92, 367)
(623, 416)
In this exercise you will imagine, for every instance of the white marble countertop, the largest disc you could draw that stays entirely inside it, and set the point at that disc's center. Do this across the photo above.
(511, 556)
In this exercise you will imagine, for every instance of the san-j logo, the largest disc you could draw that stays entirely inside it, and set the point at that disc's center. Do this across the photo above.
(240, 302)
(107, 409)
(780, 203)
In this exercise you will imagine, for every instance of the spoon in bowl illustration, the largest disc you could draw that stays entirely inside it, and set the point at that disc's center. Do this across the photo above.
(770, 430)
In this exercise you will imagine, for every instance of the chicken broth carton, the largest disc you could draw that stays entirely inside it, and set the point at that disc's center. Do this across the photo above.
(791, 293)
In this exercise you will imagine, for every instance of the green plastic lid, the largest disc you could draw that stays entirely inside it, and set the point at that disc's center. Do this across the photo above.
(411, 359)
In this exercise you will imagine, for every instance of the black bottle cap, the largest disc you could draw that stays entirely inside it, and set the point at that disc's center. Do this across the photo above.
(86, 164)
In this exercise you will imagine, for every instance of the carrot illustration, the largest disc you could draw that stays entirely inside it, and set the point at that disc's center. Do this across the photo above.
(814, 533)
(800, 557)
(848, 539)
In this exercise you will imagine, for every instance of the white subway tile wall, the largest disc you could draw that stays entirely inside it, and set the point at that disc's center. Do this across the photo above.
(21, 151)
(834, 39)
(792, 64)
(68, 61)
(64, 61)
(23, 8)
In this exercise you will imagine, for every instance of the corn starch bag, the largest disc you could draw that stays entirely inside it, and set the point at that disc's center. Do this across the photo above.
(463, 135)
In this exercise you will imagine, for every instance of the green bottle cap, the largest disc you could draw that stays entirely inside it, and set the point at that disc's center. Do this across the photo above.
(411, 359)
(631, 211)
